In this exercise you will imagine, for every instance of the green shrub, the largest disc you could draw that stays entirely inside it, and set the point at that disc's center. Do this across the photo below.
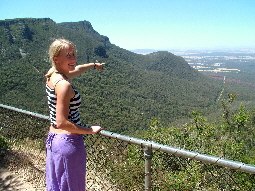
(4, 145)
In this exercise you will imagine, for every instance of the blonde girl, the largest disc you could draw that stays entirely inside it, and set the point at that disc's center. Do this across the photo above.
(66, 152)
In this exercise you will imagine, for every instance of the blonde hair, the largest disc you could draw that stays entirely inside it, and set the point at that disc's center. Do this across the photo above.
(54, 50)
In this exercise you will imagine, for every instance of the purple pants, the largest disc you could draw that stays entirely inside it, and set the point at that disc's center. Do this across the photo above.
(65, 162)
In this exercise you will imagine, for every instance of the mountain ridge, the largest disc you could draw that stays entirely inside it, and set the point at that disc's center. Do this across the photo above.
(133, 88)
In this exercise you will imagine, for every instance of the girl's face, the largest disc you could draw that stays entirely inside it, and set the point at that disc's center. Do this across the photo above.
(66, 60)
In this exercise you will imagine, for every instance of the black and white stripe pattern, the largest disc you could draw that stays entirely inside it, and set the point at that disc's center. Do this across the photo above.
(74, 105)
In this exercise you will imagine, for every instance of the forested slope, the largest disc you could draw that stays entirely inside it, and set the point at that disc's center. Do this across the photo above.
(131, 91)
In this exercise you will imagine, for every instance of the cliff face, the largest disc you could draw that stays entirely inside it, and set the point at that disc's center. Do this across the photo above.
(18, 29)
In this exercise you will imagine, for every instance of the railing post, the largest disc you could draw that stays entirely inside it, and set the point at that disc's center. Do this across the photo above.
(148, 157)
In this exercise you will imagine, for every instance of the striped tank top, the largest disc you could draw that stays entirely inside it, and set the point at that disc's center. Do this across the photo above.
(74, 105)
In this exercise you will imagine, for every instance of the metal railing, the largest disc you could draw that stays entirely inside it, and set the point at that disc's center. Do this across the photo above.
(114, 161)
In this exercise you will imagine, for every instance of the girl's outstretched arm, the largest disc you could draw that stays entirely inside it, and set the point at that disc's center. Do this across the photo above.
(83, 68)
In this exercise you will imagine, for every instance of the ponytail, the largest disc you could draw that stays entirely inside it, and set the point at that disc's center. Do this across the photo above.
(50, 72)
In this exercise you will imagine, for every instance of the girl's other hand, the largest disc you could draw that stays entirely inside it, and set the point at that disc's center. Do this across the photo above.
(96, 128)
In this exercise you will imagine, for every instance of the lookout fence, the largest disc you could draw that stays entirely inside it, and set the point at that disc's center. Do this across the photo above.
(120, 162)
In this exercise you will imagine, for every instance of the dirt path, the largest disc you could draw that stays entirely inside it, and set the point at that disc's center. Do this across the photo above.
(21, 169)
(10, 181)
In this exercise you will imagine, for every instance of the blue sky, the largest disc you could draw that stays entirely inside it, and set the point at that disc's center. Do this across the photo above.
(151, 24)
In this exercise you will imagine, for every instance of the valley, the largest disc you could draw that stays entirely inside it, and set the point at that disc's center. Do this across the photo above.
(220, 61)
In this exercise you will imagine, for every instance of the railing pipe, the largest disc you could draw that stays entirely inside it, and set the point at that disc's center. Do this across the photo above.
(184, 153)
(26, 112)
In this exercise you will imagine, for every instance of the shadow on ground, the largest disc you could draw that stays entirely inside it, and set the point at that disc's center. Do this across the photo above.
(9, 182)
